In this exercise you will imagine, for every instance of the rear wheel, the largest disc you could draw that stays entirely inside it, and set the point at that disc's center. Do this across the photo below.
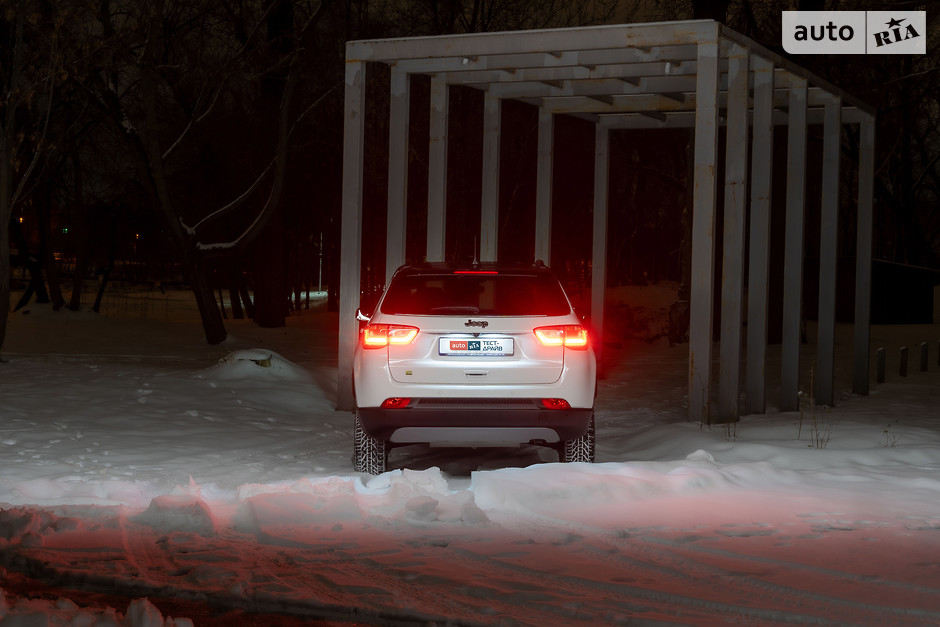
(581, 449)
(369, 454)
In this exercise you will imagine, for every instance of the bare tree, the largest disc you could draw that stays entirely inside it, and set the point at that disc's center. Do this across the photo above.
(175, 67)
(29, 71)
(435, 17)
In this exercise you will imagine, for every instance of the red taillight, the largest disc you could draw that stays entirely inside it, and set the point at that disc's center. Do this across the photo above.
(568, 335)
(476, 272)
(381, 335)
(576, 336)
(396, 402)
(555, 403)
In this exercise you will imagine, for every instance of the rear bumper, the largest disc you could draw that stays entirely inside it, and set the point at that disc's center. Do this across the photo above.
(373, 382)
(469, 422)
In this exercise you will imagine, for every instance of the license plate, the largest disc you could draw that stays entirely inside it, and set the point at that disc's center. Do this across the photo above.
(500, 346)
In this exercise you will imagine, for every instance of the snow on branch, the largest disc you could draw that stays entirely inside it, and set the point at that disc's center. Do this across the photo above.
(235, 203)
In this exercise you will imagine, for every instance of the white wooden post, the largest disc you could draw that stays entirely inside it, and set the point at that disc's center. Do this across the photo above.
(397, 172)
(437, 169)
(599, 259)
(755, 399)
(735, 217)
(543, 193)
(351, 242)
(862, 331)
(793, 249)
(489, 213)
(703, 233)
(828, 254)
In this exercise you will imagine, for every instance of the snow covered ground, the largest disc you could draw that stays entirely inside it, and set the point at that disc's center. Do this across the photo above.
(148, 479)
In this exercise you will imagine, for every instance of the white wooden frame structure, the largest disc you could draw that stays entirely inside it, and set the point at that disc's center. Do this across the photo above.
(692, 74)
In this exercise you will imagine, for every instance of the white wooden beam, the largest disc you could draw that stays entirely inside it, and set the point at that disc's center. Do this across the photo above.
(649, 35)
(631, 72)
(669, 87)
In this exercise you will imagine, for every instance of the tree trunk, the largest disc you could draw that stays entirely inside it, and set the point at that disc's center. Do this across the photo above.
(102, 286)
(246, 297)
(151, 163)
(78, 284)
(237, 312)
(36, 284)
(7, 133)
(5, 268)
(6, 210)
(271, 290)
(46, 255)
(205, 300)
(106, 274)
(78, 231)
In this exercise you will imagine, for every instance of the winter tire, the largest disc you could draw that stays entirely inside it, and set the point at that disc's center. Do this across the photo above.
(370, 455)
(580, 449)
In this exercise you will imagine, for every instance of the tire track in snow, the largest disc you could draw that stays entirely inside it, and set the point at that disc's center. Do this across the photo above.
(303, 566)
(606, 600)
(813, 581)
(437, 570)
(744, 581)
(119, 555)
(655, 570)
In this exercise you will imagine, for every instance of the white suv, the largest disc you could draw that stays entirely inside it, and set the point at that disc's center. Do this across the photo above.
(479, 355)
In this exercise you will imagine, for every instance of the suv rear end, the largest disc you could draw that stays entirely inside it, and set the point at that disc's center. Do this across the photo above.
(483, 355)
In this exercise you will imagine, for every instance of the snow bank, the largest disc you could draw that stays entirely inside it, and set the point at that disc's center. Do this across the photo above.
(21, 612)
(257, 364)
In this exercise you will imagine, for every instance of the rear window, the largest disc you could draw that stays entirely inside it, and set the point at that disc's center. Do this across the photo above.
(483, 294)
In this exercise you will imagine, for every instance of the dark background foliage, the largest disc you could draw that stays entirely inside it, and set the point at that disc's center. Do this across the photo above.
(200, 144)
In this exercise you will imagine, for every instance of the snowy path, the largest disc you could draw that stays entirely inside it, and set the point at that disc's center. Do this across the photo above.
(320, 552)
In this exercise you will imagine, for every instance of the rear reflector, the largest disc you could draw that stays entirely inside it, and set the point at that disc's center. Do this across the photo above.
(555, 403)
(396, 402)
